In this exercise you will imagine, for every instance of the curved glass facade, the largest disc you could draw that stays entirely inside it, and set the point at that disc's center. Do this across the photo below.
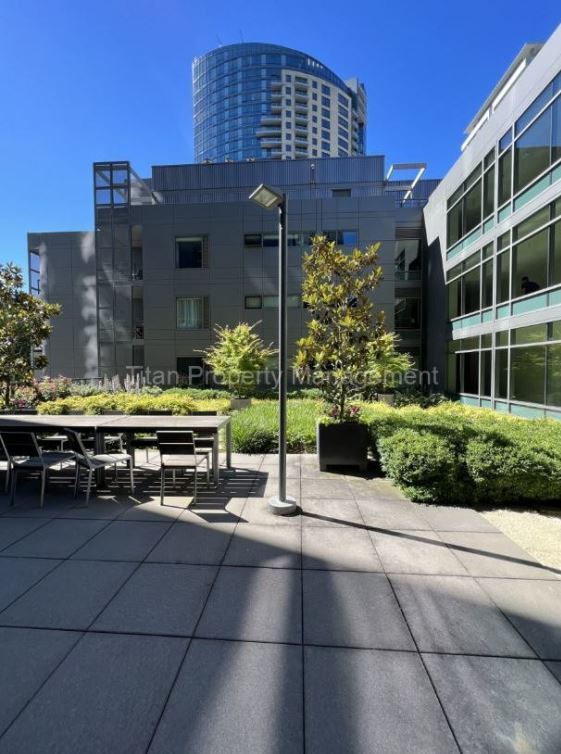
(255, 101)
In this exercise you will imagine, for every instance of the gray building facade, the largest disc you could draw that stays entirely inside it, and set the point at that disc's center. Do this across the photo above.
(178, 253)
(494, 247)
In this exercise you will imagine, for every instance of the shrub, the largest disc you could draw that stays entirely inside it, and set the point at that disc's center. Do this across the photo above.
(84, 389)
(423, 464)
(132, 403)
(255, 430)
(51, 388)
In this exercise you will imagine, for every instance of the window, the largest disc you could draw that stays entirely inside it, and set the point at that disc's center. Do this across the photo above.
(272, 302)
(553, 384)
(191, 252)
(407, 314)
(340, 193)
(253, 302)
(325, 123)
(325, 113)
(252, 240)
(190, 370)
(34, 273)
(325, 135)
(501, 373)
(529, 264)
(325, 101)
(489, 192)
(192, 313)
(531, 151)
(487, 284)
(505, 164)
(342, 237)
(486, 362)
(408, 260)
(325, 89)
(270, 240)
(503, 277)
(470, 372)
(471, 291)
(527, 374)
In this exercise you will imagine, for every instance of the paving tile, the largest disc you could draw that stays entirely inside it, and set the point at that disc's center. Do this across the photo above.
(534, 607)
(497, 704)
(106, 696)
(338, 549)
(153, 511)
(262, 545)
(254, 604)
(353, 610)
(416, 552)
(269, 487)
(17, 575)
(495, 555)
(123, 540)
(555, 668)
(453, 614)
(159, 599)
(387, 490)
(327, 512)
(99, 507)
(234, 697)
(334, 489)
(371, 701)
(449, 518)
(69, 597)
(57, 539)
(27, 658)
(256, 511)
(392, 514)
(14, 529)
(219, 510)
(203, 544)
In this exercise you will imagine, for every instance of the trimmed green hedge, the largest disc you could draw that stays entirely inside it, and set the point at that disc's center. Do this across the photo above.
(133, 403)
(452, 453)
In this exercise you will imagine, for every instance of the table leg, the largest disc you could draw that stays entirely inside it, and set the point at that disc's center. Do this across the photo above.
(229, 445)
(216, 458)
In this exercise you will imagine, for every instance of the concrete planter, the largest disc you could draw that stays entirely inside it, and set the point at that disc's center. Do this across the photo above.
(344, 444)
(238, 404)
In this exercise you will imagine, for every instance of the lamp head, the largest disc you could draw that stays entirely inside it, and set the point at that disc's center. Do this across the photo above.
(266, 197)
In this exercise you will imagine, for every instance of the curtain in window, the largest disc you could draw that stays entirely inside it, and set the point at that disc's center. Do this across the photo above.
(189, 313)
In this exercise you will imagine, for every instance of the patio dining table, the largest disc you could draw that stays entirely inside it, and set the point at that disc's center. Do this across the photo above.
(99, 425)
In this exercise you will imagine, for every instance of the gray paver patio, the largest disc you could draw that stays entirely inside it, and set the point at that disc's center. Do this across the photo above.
(364, 623)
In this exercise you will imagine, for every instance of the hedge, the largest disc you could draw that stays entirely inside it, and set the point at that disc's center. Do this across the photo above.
(133, 403)
(455, 454)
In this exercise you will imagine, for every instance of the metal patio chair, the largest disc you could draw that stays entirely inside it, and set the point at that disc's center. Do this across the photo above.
(178, 450)
(5, 464)
(92, 462)
(24, 454)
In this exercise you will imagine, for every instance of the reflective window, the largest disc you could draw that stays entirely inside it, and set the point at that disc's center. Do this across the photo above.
(505, 164)
(529, 264)
(553, 385)
(190, 252)
(253, 302)
(501, 373)
(407, 314)
(408, 260)
(532, 151)
(503, 277)
(527, 374)
(470, 372)
(252, 240)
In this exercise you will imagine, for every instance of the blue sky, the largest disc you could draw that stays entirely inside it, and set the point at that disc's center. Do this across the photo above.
(108, 80)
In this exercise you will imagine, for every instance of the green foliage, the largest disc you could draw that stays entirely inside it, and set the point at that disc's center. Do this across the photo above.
(344, 333)
(237, 357)
(485, 457)
(24, 326)
(422, 463)
(255, 430)
(197, 393)
(132, 403)
(51, 388)
(84, 389)
(385, 363)
(415, 397)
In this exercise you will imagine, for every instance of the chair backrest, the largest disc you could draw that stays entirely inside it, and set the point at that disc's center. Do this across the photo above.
(20, 444)
(75, 443)
(176, 442)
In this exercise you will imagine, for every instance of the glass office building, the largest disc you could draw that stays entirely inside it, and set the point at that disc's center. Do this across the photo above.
(494, 224)
(259, 101)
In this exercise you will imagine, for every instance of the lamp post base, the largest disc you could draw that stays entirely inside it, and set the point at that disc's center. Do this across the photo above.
(282, 507)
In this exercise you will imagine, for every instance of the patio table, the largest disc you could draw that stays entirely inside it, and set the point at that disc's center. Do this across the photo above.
(131, 424)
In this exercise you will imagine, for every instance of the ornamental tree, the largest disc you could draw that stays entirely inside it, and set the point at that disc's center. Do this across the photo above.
(237, 357)
(385, 363)
(344, 331)
(24, 325)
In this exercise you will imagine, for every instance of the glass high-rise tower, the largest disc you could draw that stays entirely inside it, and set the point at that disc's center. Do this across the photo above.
(255, 101)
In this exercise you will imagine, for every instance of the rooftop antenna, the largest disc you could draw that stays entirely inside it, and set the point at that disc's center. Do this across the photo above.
(220, 43)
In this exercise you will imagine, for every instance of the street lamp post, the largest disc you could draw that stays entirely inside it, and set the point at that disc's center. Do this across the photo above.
(268, 198)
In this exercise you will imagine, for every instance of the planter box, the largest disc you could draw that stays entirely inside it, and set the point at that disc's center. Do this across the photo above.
(238, 404)
(343, 444)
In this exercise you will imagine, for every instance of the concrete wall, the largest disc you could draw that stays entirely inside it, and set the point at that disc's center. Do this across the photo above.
(68, 277)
